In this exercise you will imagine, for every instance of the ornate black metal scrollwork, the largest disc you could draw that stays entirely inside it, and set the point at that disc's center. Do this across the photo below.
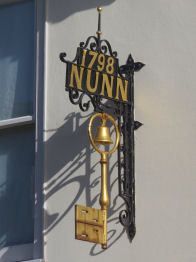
(106, 47)
(76, 98)
(101, 46)
(93, 45)
(125, 115)
(126, 163)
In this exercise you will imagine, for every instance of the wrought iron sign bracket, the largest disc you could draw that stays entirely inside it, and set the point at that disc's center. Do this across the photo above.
(96, 74)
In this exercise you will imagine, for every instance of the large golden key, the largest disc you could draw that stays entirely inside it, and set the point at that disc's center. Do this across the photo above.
(91, 223)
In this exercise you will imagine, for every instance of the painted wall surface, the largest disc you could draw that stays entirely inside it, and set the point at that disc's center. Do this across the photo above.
(162, 34)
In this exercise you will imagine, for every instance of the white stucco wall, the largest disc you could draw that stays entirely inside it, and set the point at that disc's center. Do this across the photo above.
(162, 34)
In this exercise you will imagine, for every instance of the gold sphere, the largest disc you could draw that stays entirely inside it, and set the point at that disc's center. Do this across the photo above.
(98, 32)
(99, 9)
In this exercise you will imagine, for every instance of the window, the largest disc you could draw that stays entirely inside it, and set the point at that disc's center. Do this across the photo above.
(20, 129)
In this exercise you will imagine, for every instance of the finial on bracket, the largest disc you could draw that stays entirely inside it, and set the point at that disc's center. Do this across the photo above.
(99, 9)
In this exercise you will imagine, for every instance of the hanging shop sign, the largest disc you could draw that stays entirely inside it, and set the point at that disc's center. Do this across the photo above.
(95, 73)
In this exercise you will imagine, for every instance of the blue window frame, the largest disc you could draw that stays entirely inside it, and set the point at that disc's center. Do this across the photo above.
(17, 154)
(20, 129)
(17, 60)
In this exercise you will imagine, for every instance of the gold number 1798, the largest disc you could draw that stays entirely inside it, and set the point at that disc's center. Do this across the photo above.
(101, 61)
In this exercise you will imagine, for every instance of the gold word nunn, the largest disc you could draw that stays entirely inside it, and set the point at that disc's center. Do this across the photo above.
(94, 81)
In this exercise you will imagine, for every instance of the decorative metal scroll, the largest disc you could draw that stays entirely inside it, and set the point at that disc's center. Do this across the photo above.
(122, 110)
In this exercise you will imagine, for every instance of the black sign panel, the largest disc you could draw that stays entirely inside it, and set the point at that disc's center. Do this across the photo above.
(96, 73)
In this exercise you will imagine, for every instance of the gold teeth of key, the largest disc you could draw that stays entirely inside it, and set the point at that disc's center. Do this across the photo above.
(89, 224)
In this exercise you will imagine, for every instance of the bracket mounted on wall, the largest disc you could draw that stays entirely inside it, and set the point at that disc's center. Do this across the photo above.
(95, 73)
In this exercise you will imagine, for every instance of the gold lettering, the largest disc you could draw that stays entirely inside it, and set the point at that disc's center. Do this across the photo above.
(88, 81)
(109, 86)
(101, 61)
(83, 57)
(74, 73)
(123, 90)
(94, 54)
